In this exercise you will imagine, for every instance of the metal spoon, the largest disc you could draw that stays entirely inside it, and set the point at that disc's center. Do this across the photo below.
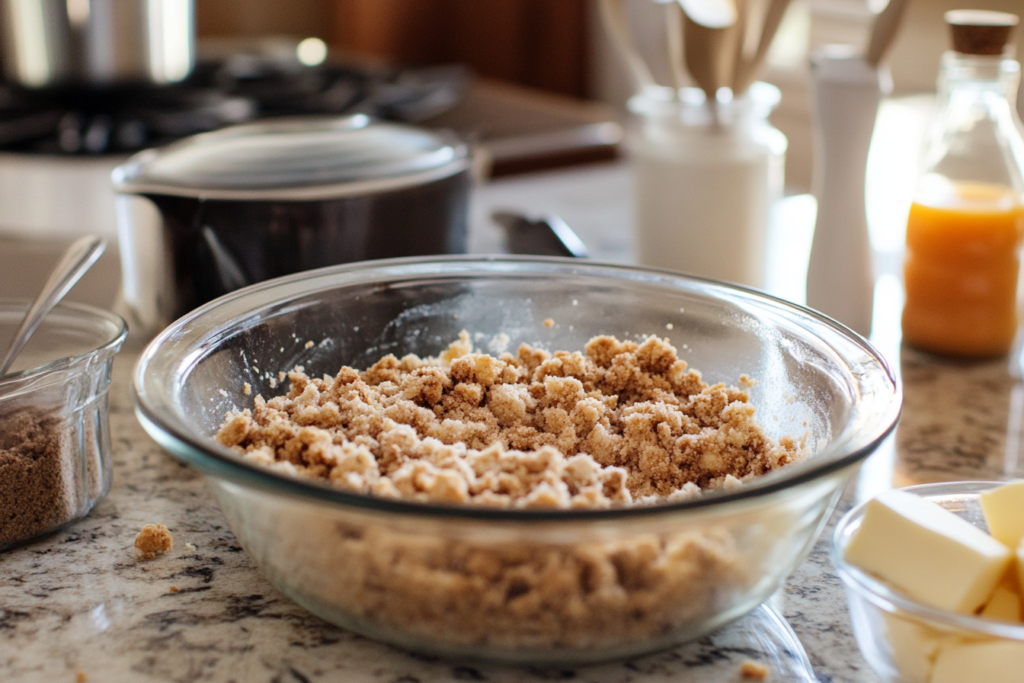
(545, 235)
(78, 258)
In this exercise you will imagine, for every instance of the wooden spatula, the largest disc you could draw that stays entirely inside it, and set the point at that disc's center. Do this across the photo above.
(708, 29)
(884, 31)
(746, 68)
(616, 22)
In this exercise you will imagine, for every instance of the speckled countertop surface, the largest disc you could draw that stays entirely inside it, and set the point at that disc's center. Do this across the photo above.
(77, 602)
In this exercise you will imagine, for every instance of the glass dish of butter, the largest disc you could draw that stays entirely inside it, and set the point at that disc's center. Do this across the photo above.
(933, 577)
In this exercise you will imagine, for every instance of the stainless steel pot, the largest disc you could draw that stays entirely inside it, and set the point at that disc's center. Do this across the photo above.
(97, 42)
(219, 211)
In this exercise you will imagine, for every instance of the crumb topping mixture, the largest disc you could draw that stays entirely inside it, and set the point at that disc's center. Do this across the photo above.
(153, 540)
(622, 423)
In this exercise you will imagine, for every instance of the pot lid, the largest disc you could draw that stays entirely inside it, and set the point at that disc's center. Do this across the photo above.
(295, 159)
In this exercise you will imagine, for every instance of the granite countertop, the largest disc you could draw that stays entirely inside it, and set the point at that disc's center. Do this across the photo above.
(78, 606)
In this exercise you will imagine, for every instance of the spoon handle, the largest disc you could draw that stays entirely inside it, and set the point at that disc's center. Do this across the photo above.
(748, 67)
(72, 265)
(615, 18)
(676, 50)
(884, 31)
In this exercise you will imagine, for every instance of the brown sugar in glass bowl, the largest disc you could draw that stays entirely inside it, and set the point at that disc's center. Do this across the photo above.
(622, 423)
(54, 435)
(519, 584)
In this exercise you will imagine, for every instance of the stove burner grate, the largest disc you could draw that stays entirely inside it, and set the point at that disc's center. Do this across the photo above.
(75, 121)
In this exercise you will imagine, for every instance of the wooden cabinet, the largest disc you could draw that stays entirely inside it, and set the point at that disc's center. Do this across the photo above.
(539, 43)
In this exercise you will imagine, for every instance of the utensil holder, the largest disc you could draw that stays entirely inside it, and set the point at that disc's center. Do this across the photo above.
(704, 183)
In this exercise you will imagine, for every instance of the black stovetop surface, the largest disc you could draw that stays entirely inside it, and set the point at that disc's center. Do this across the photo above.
(117, 120)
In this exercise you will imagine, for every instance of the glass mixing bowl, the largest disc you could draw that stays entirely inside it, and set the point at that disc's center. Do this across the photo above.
(54, 433)
(563, 586)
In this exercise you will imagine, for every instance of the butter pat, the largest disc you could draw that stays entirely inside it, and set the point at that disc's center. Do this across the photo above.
(997, 661)
(1020, 566)
(1004, 513)
(913, 648)
(1004, 604)
(927, 552)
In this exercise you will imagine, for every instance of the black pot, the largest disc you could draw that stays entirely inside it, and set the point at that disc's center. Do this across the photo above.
(223, 210)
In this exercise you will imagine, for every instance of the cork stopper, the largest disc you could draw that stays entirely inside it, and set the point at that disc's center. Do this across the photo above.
(980, 32)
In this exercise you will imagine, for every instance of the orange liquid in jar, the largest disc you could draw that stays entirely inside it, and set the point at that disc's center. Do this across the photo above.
(960, 272)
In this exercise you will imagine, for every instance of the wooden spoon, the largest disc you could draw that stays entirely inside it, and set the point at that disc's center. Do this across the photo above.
(708, 30)
(615, 18)
(676, 59)
(747, 68)
(740, 38)
(884, 30)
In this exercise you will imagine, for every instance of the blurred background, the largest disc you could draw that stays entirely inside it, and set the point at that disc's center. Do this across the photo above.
(558, 46)
(535, 85)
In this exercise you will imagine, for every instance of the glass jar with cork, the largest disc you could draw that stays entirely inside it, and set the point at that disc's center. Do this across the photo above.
(966, 223)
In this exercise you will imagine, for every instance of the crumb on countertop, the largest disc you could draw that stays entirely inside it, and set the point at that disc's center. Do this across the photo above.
(80, 677)
(190, 547)
(172, 589)
(549, 322)
(754, 670)
(247, 388)
(309, 344)
(153, 540)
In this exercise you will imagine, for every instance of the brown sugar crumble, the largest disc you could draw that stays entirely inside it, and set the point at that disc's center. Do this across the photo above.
(516, 593)
(153, 540)
(621, 424)
(754, 670)
(80, 677)
(548, 322)
(41, 483)
(625, 423)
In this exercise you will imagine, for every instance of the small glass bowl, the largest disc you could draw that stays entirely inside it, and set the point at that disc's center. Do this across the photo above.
(54, 436)
(900, 638)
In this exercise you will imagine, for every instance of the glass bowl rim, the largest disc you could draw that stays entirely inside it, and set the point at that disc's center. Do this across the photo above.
(84, 312)
(889, 599)
(213, 459)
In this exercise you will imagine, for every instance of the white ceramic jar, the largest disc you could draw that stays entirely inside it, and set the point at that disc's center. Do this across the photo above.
(705, 180)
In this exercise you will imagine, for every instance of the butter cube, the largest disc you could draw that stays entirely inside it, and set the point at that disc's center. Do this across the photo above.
(1004, 604)
(927, 552)
(993, 661)
(1004, 513)
(1019, 561)
(913, 647)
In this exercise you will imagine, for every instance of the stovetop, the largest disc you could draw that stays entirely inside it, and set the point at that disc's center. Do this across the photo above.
(59, 146)
(236, 89)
